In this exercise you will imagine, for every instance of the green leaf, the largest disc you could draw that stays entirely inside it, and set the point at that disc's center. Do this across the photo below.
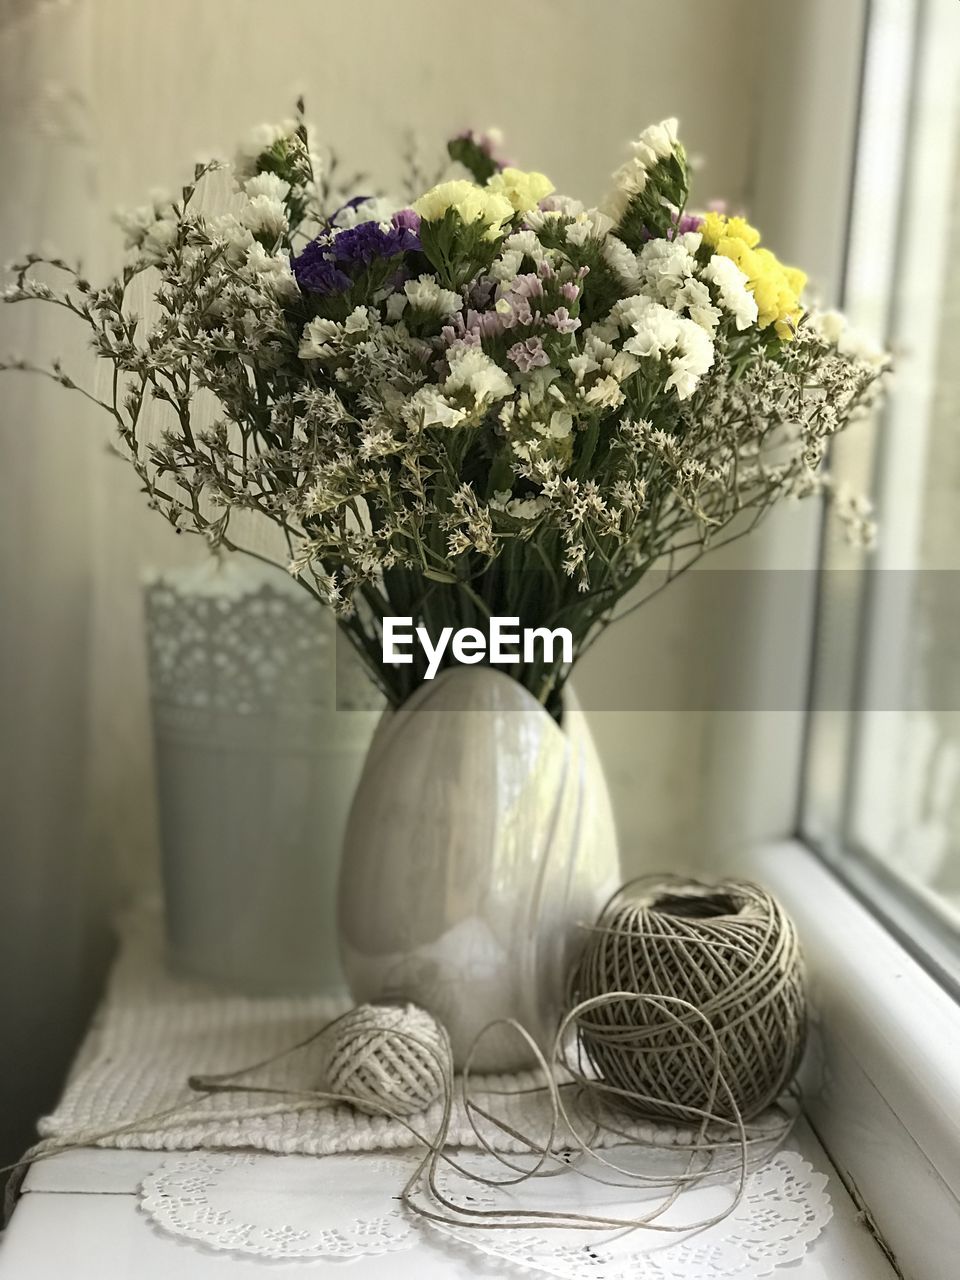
(473, 158)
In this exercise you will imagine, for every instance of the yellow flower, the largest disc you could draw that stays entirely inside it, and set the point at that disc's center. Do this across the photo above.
(717, 226)
(473, 203)
(775, 287)
(796, 279)
(523, 190)
(714, 226)
(741, 229)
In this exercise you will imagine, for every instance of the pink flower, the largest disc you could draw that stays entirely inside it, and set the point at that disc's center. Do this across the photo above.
(528, 355)
(563, 321)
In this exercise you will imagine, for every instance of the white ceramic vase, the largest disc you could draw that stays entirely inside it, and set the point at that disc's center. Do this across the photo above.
(480, 841)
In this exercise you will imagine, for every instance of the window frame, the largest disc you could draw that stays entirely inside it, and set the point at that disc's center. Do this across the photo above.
(880, 1081)
(909, 78)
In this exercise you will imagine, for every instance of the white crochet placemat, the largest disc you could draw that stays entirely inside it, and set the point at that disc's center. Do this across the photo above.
(154, 1030)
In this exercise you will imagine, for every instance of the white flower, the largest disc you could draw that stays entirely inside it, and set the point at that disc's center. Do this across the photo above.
(428, 408)
(159, 240)
(660, 332)
(581, 365)
(622, 366)
(695, 358)
(426, 295)
(526, 508)
(260, 139)
(596, 345)
(525, 242)
(731, 284)
(833, 328)
(375, 209)
(683, 379)
(660, 138)
(566, 204)
(577, 233)
(695, 299)
(655, 143)
(396, 304)
(507, 266)
(560, 425)
(621, 260)
(358, 321)
(227, 230)
(664, 266)
(265, 216)
(588, 224)
(135, 223)
(655, 332)
(830, 325)
(273, 272)
(628, 182)
(472, 370)
(628, 311)
(317, 337)
(605, 394)
(270, 185)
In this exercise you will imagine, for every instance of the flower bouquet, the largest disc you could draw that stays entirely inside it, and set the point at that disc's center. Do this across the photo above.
(490, 402)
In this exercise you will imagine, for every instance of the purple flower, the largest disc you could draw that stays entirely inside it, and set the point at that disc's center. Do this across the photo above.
(516, 311)
(455, 341)
(328, 263)
(527, 286)
(480, 293)
(368, 241)
(689, 222)
(408, 220)
(570, 291)
(528, 355)
(470, 331)
(315, 272)
(563, 321)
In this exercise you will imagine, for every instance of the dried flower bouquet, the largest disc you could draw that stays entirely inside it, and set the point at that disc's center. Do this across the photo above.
(492, 401)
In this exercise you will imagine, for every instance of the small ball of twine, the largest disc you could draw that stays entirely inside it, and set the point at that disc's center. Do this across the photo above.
(387, 1058)
(693, 999)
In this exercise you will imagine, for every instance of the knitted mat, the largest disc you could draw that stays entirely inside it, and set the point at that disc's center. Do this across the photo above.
(153, 1031)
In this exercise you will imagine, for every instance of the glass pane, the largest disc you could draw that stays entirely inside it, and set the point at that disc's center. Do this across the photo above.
(884, 763)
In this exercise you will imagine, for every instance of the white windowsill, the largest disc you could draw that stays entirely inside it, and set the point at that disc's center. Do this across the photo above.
(882, 1078)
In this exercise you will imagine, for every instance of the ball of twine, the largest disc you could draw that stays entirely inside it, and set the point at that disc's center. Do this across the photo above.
(388, 1059)
(711, 1017)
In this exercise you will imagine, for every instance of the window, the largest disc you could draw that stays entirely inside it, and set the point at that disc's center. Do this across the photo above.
(883, 774)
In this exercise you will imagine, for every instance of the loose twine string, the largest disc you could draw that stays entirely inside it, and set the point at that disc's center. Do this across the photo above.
(582, 1105)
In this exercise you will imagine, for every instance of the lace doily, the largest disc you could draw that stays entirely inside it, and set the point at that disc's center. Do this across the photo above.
(784, 1208)
(292, 1209)
(342, 1207)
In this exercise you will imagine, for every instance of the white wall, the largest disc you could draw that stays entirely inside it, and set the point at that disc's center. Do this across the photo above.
(51, 878)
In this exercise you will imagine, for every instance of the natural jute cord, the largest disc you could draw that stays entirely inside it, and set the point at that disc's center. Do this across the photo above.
(711, 981)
